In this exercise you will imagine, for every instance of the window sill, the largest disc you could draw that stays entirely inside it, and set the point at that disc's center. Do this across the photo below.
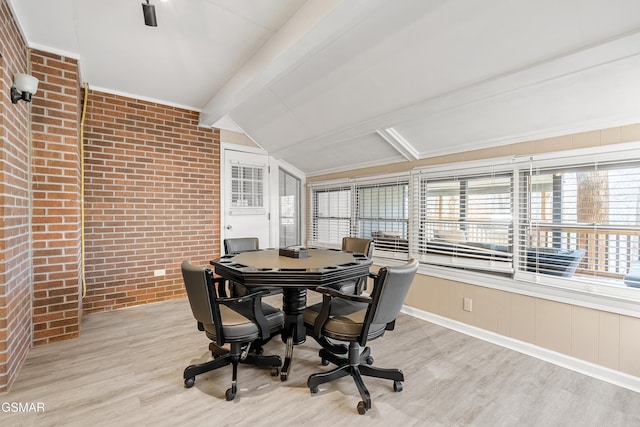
(625, 301)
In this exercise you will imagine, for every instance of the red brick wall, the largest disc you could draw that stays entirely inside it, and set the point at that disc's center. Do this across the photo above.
(15, 262)
(152, 189)
(56, 198)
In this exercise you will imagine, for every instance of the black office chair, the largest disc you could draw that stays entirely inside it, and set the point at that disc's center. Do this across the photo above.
(241, 244)
(236, 245)
(360, 246)
(357, 319)
(246, 323)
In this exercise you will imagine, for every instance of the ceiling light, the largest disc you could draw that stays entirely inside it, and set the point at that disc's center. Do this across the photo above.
(23, 87)
(149, 12)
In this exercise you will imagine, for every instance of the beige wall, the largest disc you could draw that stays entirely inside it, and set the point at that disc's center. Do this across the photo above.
(230, 137)
(606, 339)
(569, 142)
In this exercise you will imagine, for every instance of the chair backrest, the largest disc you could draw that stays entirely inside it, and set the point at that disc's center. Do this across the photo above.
(240, 244)
(388, 295)
(202, 297)
(357, 245)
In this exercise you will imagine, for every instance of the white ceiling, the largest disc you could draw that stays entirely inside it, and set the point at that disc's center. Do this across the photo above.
(329, 85)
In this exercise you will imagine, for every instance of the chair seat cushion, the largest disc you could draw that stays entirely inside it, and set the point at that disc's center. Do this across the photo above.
(238, 326)
(345, 322)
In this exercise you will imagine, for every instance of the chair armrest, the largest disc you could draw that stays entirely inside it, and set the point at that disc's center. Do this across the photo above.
(253, 295)
(258, 314)
(330, 292)
(220, 286)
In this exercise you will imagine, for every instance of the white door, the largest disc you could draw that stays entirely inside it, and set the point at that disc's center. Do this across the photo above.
(245, 189)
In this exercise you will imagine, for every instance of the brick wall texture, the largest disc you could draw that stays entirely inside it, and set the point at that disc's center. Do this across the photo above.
(152, 190)
(55, 168)
(15, 262)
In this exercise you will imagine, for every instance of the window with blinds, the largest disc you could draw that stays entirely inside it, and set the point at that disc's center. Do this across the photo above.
(370, 210)
(569, 220)
(247, 186)
(581, 221)
(382, 215)
(467, 221)
(330, 216)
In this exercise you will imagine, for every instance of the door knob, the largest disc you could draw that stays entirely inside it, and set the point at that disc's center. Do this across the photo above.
(228, 227)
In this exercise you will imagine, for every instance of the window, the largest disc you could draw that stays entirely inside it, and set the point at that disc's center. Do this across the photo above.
(369, 210)
(562, 221)
(581, 221)
(467, 221)
(289, 195)
(383, 216)
(331, 215)
(246, 187)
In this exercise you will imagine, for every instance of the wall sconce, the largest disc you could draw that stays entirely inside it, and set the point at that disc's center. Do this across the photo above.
(23, 87)
(149, 12)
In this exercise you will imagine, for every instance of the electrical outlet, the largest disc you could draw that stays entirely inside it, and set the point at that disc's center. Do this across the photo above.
(467, 304)
(157, 273)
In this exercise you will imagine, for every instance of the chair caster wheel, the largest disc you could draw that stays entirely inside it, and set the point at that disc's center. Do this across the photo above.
(324, 362)
(230, 394)
(313, 390)
(369, 360)
(189, 382)
(283, 376)
(362, 408)
(275, 371)
(397, 386)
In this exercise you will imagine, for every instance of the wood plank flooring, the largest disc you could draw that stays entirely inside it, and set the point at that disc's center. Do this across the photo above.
(126, 370)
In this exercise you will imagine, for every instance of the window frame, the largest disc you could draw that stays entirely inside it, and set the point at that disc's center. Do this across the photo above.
(581, 291)
(460, 252)
(354, 186)
(591, 293)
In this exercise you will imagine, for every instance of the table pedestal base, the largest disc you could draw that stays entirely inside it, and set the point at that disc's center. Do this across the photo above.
(294, 300)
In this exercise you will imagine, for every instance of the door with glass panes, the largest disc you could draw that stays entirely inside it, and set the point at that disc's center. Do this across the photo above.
(246, 196)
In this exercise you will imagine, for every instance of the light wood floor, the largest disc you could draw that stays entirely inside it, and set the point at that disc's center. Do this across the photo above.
(126, 370)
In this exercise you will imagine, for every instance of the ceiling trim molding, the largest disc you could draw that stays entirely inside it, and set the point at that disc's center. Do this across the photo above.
(52, 50)
(534, 136)
(242, 148)
(144, 98)
(399, 143)
(350, 167)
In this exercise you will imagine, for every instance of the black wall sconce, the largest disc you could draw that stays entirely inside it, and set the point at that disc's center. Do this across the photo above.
(23, 87)
(149, 13)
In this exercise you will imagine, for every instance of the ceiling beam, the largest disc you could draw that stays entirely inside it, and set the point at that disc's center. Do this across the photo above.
(592, 57)
(317, 23)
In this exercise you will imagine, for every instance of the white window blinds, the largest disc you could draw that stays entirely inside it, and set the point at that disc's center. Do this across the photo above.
(247, 186)
(371, 209)
(466, 221)
(382, 215)
(330, 215)
(581, 221)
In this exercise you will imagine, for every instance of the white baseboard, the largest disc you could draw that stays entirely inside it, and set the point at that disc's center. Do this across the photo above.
(596, 371)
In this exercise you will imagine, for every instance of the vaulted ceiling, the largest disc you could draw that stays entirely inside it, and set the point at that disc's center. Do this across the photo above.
(330, 85)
